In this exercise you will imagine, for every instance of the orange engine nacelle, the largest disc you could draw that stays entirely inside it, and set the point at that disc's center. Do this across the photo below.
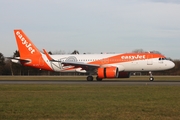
(108, 72)
(124, 75)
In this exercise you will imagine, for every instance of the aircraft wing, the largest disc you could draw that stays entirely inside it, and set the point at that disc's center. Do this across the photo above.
(78, 64)
(69, 63)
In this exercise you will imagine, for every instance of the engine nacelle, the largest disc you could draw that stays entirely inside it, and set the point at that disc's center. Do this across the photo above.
(108, 72)
(124, 75)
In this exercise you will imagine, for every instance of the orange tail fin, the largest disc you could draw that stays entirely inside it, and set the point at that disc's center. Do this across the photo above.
(25, 46)
(29, 54)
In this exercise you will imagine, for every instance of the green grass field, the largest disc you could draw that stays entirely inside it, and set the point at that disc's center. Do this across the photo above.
(93, 102)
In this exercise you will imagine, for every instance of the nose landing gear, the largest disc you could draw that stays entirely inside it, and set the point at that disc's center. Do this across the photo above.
(151, 78)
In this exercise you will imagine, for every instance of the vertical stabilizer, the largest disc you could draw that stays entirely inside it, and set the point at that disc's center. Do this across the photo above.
(25, 46)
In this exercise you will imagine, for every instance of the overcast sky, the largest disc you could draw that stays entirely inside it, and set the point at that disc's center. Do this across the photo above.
(93, 25)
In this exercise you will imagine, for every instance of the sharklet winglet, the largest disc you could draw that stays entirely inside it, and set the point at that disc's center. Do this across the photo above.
(48, 56)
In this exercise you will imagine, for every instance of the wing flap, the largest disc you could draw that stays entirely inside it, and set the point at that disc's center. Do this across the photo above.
(78, 64)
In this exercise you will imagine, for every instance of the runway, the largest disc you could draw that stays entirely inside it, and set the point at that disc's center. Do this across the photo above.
(105, 82)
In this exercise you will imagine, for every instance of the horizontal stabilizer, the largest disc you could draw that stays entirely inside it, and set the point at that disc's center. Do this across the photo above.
(18, 60)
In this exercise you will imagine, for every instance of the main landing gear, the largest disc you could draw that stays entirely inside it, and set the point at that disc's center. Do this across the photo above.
(90, 78)
(151, 78)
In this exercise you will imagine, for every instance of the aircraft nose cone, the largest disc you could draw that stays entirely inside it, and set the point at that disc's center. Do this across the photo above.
(171, 64)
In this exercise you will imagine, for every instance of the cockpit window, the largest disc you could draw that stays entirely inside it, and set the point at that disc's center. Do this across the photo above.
(162, 58)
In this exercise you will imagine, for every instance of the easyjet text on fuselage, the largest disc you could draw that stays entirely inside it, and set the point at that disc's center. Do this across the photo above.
(133, 57)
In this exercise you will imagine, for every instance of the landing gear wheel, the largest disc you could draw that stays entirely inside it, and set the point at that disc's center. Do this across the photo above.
(89, 78)
(98, 79)
(151, 79)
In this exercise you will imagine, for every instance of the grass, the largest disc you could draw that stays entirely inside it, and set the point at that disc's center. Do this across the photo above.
(97, 102)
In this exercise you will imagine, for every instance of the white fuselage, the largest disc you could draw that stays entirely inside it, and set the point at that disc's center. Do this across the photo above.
(151, 64)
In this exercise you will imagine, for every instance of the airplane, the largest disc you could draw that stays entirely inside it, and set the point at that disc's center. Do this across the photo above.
(101, 65)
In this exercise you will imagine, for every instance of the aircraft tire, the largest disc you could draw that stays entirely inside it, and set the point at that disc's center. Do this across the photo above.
(98, 79)
(151, 78)
(89, 78)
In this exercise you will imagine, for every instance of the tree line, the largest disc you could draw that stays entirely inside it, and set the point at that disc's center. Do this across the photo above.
(9, 68)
